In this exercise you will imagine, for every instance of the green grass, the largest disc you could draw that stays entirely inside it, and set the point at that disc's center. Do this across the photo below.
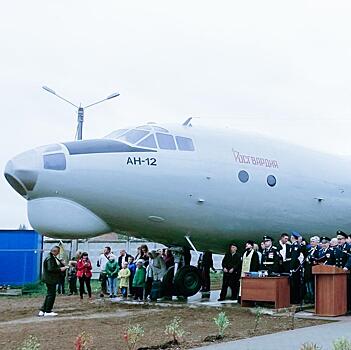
(39, 288)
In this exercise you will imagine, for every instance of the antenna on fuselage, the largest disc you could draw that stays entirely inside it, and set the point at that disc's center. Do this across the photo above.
(187, 122)
(80, 119)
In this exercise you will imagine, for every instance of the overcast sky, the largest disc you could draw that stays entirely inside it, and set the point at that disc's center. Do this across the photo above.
(276, 67)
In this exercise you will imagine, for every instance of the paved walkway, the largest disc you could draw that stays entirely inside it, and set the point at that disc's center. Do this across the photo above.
(322, 335)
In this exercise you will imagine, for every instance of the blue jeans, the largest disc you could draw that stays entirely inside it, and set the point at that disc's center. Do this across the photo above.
(112, 285)
(124, 292)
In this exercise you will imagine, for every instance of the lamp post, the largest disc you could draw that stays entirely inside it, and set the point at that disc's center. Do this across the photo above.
(79, 132)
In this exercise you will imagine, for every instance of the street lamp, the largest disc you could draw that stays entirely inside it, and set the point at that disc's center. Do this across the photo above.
(79, 132)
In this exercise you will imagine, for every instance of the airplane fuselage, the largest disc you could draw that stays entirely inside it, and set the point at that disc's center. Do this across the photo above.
(231, 187)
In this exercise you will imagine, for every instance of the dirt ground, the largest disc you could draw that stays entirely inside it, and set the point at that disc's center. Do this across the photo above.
(106, 322)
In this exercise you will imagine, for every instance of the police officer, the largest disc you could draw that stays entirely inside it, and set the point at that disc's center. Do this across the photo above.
(326, 253)
(343, 259)
(296, 270)
(342, 250)
(271, 258)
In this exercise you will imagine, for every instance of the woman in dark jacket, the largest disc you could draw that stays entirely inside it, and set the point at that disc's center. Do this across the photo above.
(84, 274)
(205, 264)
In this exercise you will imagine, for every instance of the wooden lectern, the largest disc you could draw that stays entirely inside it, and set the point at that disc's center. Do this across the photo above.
(330, 290)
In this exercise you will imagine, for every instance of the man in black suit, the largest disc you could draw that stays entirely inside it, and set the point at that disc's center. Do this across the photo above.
(296, 269)
(231, 265)
(52, 270)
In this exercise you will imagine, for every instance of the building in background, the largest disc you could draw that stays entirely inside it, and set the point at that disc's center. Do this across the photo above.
(20, 257)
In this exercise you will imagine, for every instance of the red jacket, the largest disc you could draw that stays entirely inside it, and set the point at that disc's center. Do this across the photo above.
(84, 270)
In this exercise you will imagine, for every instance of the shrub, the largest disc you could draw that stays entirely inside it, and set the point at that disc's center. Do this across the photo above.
(83, 341)
(175, 330)
(292, 314)
(132, 335)
(258, 316)
(310, 346)
(222, 322)
(31, 343)
(342, 344)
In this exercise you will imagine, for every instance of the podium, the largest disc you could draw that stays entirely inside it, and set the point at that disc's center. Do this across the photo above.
(273, 289)
(330, 290)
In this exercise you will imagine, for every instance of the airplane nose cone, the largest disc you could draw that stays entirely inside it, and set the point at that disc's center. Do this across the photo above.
(21, 172)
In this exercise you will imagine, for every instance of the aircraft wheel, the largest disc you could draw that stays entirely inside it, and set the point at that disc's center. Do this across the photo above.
(187, 281)
(167, 287)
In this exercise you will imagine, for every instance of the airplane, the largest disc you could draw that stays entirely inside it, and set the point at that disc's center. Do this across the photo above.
(182, 185)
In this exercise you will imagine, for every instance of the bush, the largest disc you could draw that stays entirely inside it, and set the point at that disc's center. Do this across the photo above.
(222, 322)
(258, 316)
(132, 335)
(32, 343)
(342, 344)
(175, 330)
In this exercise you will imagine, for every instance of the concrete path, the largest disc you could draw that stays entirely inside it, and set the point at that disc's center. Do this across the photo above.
(322, 335)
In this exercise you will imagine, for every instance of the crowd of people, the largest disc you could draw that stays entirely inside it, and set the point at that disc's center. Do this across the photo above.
(124, 275)
(292, 256)
(140, 277)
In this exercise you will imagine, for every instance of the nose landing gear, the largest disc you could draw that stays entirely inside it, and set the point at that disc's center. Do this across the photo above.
(181, 279)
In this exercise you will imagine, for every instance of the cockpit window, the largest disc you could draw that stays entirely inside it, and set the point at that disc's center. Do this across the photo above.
(184, 143)
(158, 128)
(115, 134)
(133, 136)
(148, 142)
(144, 127)
(55, 161)
(165, 141)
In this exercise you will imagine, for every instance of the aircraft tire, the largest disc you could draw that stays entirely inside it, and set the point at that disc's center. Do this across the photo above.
(187, 281)
(167, 287)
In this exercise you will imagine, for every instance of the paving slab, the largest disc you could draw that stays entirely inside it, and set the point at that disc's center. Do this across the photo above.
(323, 335)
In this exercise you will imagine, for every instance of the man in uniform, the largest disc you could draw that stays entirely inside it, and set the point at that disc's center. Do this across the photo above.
(271, 258)
(326, 253)
(231, 265)
(343, 260)
(342, 250)
(296, 270)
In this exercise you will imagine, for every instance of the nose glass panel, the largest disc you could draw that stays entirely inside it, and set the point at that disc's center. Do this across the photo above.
(21, 172)
(16, 185)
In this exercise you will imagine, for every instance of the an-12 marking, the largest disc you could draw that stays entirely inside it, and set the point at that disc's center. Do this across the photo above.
(140, 161)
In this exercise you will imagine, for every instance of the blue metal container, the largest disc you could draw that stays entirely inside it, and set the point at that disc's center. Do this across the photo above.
(20, 257)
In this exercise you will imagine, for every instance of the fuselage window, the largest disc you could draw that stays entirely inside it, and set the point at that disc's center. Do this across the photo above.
(133, 136)
(184, 143)
(55, 161)
(165, 141)
(271, 180)
(148, 142)
(243, 176)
